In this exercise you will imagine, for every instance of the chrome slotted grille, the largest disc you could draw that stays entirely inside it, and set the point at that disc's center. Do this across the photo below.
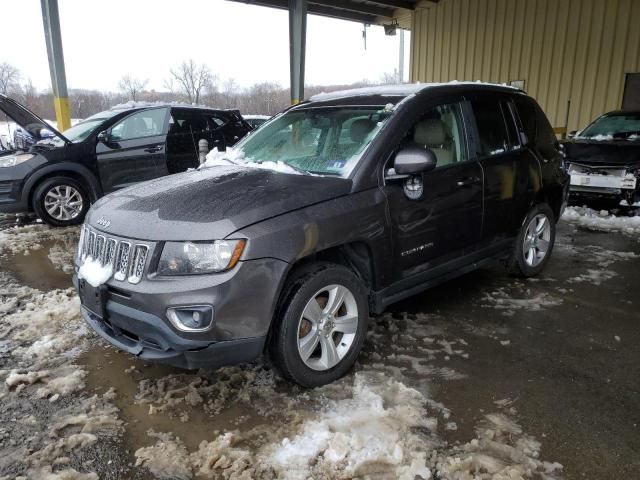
(127, 260)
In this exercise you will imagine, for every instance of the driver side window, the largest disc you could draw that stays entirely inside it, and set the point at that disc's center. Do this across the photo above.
(147, 123)
(441, 130)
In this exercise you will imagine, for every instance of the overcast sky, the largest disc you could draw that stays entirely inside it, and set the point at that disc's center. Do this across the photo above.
(105, 39)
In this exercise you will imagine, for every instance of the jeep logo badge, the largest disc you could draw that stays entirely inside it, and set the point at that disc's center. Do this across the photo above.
(103, 222)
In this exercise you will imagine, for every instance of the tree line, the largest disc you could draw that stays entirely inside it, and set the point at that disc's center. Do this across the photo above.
(188, 82)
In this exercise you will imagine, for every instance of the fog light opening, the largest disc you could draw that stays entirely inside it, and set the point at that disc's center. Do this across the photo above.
(195, 318)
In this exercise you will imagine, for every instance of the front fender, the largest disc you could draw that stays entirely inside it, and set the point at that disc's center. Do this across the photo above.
(59, 168)
(358, 217)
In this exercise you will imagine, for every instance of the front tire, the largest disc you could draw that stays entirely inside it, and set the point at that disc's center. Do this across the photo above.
(321, 325)
(61, 201)
(534, 243)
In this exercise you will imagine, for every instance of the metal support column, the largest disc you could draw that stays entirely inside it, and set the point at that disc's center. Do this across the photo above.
(401, 59)
(297, 46)
(51, 20)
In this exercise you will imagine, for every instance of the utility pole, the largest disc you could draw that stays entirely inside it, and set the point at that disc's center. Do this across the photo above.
(53, 37)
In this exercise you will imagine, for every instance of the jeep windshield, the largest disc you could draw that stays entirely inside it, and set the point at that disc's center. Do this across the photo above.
(319, 140)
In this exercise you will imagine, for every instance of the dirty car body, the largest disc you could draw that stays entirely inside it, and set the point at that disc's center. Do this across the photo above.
(387, 228)
(604, 159)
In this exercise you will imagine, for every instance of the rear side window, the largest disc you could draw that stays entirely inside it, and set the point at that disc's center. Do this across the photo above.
(534, 122)
(491, 123)
(528, 119)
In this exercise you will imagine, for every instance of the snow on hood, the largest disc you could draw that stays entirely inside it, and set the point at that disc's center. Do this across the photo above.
(597, 138)
(236, 157)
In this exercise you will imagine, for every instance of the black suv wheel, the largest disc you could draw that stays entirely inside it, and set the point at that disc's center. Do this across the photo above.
(61, 201)
(535, 242)
(321, 326)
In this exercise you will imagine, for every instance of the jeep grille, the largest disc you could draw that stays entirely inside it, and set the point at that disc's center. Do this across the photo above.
(127, 259)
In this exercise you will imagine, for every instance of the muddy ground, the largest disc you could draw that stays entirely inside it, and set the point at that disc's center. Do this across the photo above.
(486, 375)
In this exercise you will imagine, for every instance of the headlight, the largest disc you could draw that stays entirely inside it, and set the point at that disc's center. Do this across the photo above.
(186, 258)
(11, 160)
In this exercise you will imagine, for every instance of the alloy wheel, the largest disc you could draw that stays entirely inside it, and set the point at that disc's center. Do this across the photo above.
(63, 202)
(327, 327)
(536, 240)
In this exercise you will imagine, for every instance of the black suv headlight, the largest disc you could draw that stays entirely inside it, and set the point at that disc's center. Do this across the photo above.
(185, 258)
(12, 160)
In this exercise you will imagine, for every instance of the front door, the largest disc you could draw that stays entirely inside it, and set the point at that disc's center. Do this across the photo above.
(436, 217)
(133, 150)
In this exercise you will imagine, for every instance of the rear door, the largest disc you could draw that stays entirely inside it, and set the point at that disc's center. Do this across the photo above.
(436, 217)
(511, 172)
(134, 149)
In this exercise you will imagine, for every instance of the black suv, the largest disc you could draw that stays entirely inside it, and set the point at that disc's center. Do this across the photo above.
(61, 175)
(331, 210)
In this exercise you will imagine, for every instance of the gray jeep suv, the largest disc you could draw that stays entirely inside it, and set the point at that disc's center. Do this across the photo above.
(329, 212)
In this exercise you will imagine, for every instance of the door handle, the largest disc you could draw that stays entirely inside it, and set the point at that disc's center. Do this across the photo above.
(155, 149)
(465, 182)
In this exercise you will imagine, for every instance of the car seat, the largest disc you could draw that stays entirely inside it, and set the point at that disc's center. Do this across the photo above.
(432, 133)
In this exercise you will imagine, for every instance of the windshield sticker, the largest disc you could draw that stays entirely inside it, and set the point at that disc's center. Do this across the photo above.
(337, 165)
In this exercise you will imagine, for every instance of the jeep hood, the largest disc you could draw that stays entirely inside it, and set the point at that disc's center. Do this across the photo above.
(210, 203)
(603, 153)
(27, 119)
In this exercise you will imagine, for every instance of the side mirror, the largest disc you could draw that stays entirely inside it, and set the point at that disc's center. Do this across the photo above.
(412, 160)
(572, 134)
(104, 137)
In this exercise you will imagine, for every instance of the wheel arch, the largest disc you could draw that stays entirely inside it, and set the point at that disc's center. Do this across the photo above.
(71, 170)
(357, 256)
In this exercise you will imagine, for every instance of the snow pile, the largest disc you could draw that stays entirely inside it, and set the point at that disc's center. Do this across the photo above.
(370, 433)
(379, 429)
(508, 303)
(601, 221)
(20, 240)
(94, 272)
(41, 334)
(501, 451)
(595, 277)
(235, 157)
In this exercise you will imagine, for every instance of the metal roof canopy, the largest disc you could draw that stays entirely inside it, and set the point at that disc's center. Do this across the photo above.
(363, 11)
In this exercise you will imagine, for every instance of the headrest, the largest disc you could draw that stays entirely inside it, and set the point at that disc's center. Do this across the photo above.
(430, 132)
(360, 129)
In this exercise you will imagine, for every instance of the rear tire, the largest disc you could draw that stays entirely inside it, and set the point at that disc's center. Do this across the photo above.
(321, 325)
(535, 242)
(61, 201)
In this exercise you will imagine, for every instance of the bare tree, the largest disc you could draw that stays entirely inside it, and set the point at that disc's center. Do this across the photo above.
(191, 79)
(389, 78)
(131, 86)
(9, 77)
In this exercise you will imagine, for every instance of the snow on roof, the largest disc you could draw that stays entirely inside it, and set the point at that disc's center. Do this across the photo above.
(256, 117)
(142, 104)
(401, 90)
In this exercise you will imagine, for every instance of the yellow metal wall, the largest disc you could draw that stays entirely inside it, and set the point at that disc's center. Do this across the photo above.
(563, 49)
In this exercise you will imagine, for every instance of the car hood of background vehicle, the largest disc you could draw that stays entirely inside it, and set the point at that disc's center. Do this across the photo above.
(28, 120)
(603, 153)
(210, 203)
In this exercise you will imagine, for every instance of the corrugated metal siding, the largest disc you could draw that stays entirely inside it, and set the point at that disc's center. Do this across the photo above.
(576, 50)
